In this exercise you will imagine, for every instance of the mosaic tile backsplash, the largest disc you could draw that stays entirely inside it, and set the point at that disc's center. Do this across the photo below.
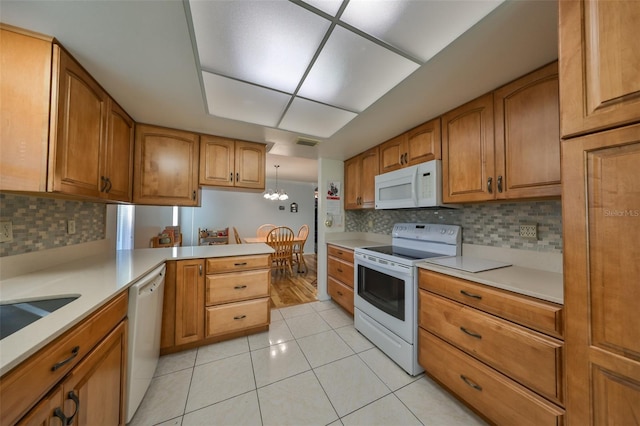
(41, 223)
(483, 224)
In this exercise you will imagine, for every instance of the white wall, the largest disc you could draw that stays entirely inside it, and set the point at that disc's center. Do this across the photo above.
(149, 222)
(248, 210)
(328, 171)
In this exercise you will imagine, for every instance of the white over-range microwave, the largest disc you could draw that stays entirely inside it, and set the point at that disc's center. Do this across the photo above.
(411, 187)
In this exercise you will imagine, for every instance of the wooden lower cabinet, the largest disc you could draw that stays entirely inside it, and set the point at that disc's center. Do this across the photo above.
(494, 395)
(498, 351)
(87, 364)
(340, 276)
(208, 300)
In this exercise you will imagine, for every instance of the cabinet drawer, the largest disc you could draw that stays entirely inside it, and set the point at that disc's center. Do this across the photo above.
(529, 357)
(499, 398)
(223, 288)
(340, 253)
(232, 317)
(237, 263)
(31, 380)
(342, 294)
(341, 270)
(528, 311)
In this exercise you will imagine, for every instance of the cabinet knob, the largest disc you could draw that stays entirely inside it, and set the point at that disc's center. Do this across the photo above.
(490, 185)
(499, 183)
(237, 177)
(231, 177)
(194, 195)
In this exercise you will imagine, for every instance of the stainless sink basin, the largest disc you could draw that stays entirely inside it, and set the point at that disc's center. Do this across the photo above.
(15, 316)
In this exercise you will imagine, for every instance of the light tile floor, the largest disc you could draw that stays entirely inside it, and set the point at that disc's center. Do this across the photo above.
(311, 368)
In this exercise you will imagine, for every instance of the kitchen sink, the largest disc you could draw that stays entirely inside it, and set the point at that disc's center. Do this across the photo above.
(17, 315)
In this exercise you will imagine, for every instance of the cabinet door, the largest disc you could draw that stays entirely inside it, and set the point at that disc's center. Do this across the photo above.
(601, 221)
(599, 63)
(424, 143)
(80, 120)
(352, 183)
(467, 152)
(118, 155)
(369, 170)
(94, 391)
(527, 136)
(249, 165)
(217, 161)
(166, 167)
(392, 154)
(189, 299)
(48, 412)
(25, 88)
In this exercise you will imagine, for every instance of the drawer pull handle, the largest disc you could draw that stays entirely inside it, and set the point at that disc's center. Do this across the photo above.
(74, 353)
(340, 293)
(239, 317)
(470, 383)
(74, 398)
(240, 264)
(59, 414)
(475, 296)
(477, 336)
(240, 287)
(339, 270)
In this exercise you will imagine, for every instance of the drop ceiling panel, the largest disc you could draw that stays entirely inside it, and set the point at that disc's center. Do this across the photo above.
(315, 119)
(236, 100)
(330, 7)
(420, 28)
(352, 72)
(269, 43)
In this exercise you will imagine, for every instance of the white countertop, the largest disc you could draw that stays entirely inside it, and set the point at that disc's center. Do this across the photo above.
(96, 280)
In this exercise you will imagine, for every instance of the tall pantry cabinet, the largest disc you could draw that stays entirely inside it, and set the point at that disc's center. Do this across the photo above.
(600, 116)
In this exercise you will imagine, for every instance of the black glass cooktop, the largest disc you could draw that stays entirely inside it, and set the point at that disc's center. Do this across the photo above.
(404, 253)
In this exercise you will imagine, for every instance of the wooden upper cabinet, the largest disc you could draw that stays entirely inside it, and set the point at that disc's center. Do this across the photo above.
(601, 217)
(225, 162)
(420, 144)
(424, 143)
(359, 176)
(250, 164)
(81, 129)
(599, 64)
(217, 163)
(25, 89)
(527, 136)
(61, 132)
(392, 153)
(468, 152)
(166, 167)
(116, 178)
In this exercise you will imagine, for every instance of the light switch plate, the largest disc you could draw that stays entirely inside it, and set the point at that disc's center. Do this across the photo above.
(6, 231)
(71, 227)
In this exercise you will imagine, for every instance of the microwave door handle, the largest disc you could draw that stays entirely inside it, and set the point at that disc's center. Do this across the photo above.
(414, 187)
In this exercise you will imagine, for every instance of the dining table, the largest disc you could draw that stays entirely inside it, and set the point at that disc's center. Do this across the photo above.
(250, 240)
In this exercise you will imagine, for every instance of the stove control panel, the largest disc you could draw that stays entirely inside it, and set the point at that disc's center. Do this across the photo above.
(448, 234)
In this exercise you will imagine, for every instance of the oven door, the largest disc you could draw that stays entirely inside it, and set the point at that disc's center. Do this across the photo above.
(386, 295)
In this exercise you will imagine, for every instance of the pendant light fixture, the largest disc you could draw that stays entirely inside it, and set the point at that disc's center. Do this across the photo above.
(278, 194)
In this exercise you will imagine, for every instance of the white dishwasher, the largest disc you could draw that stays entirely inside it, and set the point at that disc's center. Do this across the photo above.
(145, 320)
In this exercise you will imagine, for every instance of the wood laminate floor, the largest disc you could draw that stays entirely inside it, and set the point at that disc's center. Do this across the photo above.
(289, 290)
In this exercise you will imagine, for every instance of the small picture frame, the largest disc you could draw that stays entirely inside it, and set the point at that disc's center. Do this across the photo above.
(294, 207)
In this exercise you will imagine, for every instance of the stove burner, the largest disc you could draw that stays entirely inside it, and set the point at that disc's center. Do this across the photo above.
(404, 253)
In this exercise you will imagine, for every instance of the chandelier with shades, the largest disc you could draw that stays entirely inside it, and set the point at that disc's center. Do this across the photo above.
(278, 194)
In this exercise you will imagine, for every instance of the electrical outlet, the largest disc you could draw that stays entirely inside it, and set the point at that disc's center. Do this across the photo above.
(529, 230)
(6, 232)
(71, 227)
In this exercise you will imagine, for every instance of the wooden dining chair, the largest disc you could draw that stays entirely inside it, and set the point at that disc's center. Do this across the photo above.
(281, 240)
(263, 230)
(298, 247)
(237, 236)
